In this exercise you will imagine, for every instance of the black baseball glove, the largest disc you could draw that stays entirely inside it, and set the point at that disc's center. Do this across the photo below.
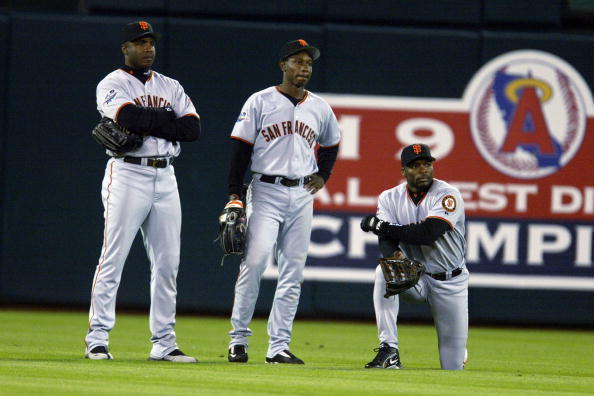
(114, 137)
(232, 229)
(401, 274)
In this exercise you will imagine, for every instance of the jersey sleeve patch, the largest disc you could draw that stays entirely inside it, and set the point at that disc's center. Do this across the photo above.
(110, 96)
(449, 203)
(243, 117)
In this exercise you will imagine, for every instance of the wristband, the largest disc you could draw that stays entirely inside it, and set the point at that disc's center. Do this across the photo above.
(236, 203)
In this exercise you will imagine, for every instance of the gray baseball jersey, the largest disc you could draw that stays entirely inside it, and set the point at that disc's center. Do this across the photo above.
(284, 137)
(442, 201)
(448, 298)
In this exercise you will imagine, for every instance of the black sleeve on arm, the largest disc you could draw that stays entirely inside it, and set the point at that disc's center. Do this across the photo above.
(240, 159)
(143, 119)
(387, 246)
(326, 159)
(423, 233)
(184, 129)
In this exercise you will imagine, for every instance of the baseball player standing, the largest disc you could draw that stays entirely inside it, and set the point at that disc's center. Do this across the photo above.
(423, 219)
(278, 129)
(140, 191)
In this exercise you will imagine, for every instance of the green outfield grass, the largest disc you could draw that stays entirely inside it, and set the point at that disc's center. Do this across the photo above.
(42, 353)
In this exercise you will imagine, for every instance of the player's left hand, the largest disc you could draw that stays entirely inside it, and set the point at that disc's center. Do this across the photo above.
(315, 183)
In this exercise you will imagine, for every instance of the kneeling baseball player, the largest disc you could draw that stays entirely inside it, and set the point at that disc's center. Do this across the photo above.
(421, 219)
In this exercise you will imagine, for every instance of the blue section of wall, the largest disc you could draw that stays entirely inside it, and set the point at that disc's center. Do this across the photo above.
(418, 11)
(406, 62)
(4, 30)
(259, 8)
(127, 5)
(525, 12)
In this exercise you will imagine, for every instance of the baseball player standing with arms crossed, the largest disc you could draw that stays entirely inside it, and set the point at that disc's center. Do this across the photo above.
(423, 219)
(278, 129)
(140, 191)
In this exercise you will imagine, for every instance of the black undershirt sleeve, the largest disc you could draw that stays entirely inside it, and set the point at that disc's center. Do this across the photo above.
(423, 233)
(142, 120)
(183, 129)
(326, 159)
(240, 159)
(387, 246)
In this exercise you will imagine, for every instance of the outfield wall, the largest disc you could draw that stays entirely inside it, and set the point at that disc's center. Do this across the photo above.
(394, 73)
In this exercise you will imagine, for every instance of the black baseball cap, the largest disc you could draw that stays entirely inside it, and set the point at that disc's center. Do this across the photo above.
(415, 152)
(135, 30)
(292, 47)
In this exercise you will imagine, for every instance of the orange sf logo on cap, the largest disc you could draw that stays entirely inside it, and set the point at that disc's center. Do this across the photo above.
(417, 149)
(302, 43)
(143, 25)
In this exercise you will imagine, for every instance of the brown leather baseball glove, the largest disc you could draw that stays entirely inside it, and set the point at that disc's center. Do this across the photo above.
(401, 273)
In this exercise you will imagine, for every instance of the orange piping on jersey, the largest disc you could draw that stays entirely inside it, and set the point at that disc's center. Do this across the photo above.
(441, 218)
(304, 97)
(102, 259)
(120, 108)
(191, 115)
(243, 140)
(151, 76)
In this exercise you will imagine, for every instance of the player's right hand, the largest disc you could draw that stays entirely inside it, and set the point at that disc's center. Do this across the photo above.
(371, 223)
(315, 183)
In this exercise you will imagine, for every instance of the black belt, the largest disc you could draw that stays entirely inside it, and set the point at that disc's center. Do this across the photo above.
(283, 180)
(154, 162)
(444, 275)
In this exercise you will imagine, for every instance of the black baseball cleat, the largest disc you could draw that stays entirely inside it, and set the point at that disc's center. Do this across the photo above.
(238, 354)
(387, 357)
(176, 356)
(99, 353)
(284, 357)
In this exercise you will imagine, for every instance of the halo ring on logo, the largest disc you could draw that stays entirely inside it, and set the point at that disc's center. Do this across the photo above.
(564, 97)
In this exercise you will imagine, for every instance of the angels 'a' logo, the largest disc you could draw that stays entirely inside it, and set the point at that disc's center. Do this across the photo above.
(527, 113)
(449, 203)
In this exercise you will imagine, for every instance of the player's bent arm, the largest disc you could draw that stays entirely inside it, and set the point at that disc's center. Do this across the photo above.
(240, 159)
(423, 233)
(144, 119)
(326, 159)
(183, 129)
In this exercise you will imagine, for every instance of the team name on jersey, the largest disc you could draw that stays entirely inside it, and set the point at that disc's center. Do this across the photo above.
(285, 128)
(151, 101)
